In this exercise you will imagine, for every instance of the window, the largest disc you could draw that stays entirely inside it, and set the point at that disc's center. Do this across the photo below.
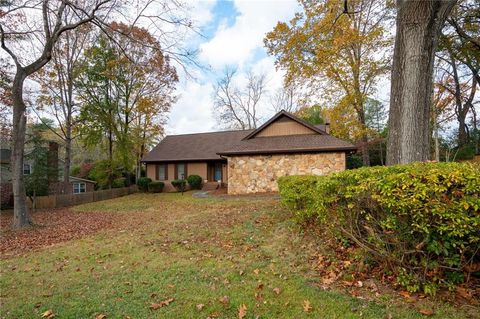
(26, 169)
(181, 171)
(79, 188)
(162, 174)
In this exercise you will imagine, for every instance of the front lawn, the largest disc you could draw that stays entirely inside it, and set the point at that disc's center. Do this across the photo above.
(174, 256)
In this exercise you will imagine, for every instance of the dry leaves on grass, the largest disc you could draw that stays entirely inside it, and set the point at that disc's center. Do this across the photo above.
(48, 314)
(426, 312)
(306, 306)
(101, 316)
(52, 226)
(242, 311)
(166, 302)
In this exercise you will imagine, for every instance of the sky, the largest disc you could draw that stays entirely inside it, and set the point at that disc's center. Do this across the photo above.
(232, 35)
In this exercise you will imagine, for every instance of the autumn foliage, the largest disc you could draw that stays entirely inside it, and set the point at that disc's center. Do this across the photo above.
(421, 220)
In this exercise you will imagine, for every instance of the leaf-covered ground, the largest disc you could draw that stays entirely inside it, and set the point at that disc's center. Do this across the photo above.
(174, 256)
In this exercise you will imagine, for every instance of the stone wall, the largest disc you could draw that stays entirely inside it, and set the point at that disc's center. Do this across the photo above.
(259, 173)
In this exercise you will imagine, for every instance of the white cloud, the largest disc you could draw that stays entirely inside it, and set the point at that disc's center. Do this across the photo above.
(236, 44)
(193, 111)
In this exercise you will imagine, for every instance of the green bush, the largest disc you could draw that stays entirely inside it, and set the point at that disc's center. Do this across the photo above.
(195, 181)
(179, 184)
(421, 219)
(119, 182)
(156, 187)
(143, 182)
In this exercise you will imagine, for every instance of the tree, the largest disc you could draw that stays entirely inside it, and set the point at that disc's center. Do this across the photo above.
(58, 92)
(459, 63)
(38, 181)
(418, 26)
(336, 51)
(39, 25)
(126, 98)
(287, 98)
(5, 100)
(238, 107)
(311, 114)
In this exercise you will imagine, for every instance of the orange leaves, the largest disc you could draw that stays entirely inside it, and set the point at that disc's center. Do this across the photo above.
(166, 302)
(48, 314)
(242, 311)
(307, 307)
(101, 316)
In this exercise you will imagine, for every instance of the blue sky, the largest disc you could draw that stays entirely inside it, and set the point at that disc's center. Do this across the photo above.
(233, 33)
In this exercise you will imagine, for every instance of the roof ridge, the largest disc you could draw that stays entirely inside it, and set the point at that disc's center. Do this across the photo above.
(214, 132)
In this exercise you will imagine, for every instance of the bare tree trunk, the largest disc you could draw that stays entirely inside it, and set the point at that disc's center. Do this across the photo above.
(68, 156)
(419, 23)
(20, 209)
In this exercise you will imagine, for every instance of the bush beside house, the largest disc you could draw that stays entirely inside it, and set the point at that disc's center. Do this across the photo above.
(156, 187)
(421, 219)
(143, 182)
(195, 181)
(179, 184)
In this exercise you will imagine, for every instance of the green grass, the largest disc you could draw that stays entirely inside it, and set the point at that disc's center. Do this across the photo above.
(193, 250)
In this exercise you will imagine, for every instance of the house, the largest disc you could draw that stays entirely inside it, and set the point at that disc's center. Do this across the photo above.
(249, 161)
(56, 185)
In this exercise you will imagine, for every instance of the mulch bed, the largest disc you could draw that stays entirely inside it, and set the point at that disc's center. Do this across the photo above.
(51, 226)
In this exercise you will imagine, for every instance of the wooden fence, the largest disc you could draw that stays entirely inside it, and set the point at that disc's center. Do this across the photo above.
(64, 200)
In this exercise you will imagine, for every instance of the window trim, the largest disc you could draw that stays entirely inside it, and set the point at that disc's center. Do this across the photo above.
(79, 187)
(185, 172)
(29, 168)
(165, 172)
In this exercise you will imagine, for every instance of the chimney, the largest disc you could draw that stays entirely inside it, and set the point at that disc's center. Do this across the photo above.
(327, 125)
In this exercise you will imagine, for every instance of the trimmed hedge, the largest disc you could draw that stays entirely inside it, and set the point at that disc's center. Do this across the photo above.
(156, 187)
(143, 182)
(195, 181)
(422, 219)
(179, 184)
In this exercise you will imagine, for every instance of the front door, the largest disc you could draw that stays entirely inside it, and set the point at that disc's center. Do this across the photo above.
(217, 173)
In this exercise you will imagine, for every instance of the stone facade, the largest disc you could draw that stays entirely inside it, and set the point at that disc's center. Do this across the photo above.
(259, 173)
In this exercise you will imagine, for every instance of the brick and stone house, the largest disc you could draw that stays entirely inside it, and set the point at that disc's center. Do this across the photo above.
(249, 161)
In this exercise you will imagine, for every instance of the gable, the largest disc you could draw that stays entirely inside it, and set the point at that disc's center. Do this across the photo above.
(285, 126)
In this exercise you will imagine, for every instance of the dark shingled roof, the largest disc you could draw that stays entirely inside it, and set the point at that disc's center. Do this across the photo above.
(200, 146)
(209, 146)
(288, 144)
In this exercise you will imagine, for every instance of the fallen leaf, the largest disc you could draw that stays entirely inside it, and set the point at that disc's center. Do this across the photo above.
(225, 300)
(256, 271)
(260, 286)
(200, 306)
(48, 314)
(101, 316)
(155, 306)
(306, 306)
(242, 311)
(426, 312)
(277, 290)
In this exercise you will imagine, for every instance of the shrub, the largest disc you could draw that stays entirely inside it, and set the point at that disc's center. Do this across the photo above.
(420, 219)
(156, 187)
(119, 182)
(179, 184)
(195, 181)
(143, 182)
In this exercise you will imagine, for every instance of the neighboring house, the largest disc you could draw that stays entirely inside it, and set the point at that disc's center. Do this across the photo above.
(56, 186)
(249, 161)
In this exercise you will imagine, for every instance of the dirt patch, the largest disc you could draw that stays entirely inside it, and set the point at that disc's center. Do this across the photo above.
(51, 226)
